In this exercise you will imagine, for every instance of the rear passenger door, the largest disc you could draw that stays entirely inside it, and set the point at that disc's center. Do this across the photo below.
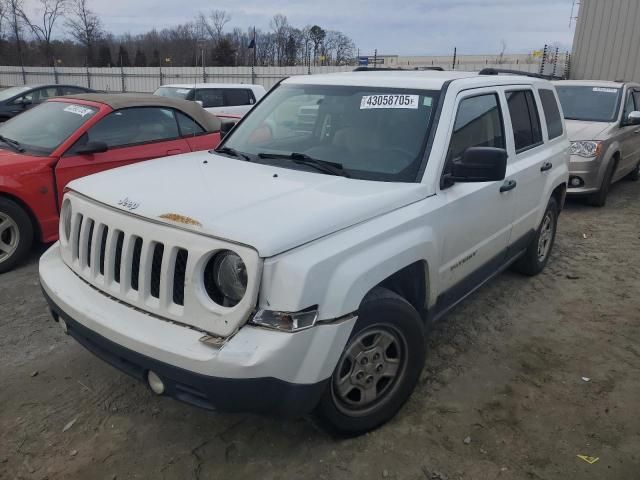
(476, 216)
(528, 163)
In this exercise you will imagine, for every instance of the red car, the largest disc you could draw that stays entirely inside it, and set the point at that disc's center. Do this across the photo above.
(45, 148)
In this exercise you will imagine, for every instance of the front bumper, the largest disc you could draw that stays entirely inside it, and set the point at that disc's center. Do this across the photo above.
(257, 370)
(589, 171)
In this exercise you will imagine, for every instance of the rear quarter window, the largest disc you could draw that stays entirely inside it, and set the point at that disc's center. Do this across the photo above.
(551, 113)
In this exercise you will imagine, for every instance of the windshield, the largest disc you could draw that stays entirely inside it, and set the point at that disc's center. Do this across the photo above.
(42, 129)
(173, 92)
(372, 133)
(11, 92)
(595, 104)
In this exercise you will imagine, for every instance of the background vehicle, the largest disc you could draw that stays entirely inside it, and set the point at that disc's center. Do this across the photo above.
(603, 123)
(301, 263)
(218, 98)
(15, 100)
(44, 149)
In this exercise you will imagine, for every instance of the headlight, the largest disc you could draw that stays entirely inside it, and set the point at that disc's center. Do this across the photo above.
(225, 278)
(586, 148)
(65, 219)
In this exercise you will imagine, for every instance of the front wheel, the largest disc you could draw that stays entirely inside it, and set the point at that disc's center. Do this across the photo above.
(16, 234)
(379, 367)
(537, 254)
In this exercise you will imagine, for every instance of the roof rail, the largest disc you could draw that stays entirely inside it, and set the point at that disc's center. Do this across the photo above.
(437, 69)
(373, 69)
(498, 71)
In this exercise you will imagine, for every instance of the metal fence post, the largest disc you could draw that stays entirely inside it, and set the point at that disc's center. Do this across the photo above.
(24, 75)
(160, 66)
(124, 89)
(55, 74)
(88, 77)
(455, 55)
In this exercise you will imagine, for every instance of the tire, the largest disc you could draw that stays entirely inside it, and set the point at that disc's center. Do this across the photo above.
(387, 337)
(16, 234)
(599, 199)
(537, 254)
(634, 176)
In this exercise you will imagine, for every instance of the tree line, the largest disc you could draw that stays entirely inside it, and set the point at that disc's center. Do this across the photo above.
(70, 33)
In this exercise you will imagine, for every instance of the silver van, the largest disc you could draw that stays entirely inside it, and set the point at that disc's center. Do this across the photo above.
(603, 124)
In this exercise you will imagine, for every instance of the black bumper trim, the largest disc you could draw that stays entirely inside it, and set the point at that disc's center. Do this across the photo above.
(255, 395)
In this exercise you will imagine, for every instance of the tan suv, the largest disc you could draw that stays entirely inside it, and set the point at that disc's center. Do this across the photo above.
(603, 124)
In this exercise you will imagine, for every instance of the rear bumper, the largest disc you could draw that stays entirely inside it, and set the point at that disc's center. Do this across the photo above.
(257, 370)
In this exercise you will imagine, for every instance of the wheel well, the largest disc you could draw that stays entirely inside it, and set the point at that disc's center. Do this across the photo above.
(410, 283)
(560, 194)
(37, 232)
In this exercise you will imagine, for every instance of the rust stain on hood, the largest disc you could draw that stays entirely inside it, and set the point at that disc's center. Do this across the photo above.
(177, 218)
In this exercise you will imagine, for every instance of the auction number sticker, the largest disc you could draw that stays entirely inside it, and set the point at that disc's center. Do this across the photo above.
(78, 110)
(605, 90)
(389, 101)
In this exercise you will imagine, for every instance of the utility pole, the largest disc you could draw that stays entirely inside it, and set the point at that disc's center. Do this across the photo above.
(455, 55)
(204, 70)
(375, 59)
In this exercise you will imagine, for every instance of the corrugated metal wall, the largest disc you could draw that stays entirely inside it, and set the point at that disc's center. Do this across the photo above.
(606, 45)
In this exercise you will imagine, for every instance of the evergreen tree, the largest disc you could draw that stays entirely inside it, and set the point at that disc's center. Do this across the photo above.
(141, 59)
(123, 57)
(104, 56)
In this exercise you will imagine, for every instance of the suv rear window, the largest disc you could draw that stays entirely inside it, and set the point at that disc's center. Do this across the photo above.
(551, 113)
(524, 119)
(237, 96)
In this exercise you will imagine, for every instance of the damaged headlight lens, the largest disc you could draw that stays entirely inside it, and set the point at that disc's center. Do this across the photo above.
(585, 148)
(225, 278)
(286, 321)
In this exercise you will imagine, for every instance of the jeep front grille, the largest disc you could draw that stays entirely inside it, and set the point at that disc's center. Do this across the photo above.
(153, 266)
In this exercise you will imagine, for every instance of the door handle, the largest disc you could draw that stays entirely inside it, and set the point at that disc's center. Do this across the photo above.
(546, 166)
(174, 152)
(508, 185)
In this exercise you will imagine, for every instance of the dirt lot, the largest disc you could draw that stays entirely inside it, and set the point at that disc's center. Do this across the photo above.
(505, 369)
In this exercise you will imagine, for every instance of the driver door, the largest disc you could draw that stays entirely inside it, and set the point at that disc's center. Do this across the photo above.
(131, 135)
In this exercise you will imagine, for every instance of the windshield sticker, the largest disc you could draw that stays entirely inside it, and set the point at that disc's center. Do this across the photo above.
(605, 90)
(389, 101)
(78, 110)
(182, 90)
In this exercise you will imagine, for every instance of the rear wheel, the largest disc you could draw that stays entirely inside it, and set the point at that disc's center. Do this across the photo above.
(379, 367)
(16, 234)
(537, 255)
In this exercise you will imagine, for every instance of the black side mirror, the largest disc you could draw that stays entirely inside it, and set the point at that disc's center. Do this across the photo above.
(480, 164)
(92, 147)
(633, 119)
(225, 127)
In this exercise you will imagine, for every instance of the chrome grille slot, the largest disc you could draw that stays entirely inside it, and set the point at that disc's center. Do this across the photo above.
(135, 263)
(75, 235)
(103, 247)
(118, 256)
(91, 224)
(156, 270)
(179, 272)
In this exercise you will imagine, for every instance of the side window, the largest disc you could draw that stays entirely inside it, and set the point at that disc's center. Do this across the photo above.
(43, 94)
(210, 97)
(238, 96)
(188, 127)
(636, 96)
(478, 124)
(630, 105)
(524, 119)
(551, 113)
(131, 126)
(71, 90)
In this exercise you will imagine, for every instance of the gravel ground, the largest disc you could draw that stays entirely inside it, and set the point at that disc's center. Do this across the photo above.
(502, 395)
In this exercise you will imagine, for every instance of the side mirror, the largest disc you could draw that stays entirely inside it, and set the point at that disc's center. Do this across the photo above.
(23, 102)
(199, 102)
(92, 147)
(633, 119)
(225, 127)
(480, 164)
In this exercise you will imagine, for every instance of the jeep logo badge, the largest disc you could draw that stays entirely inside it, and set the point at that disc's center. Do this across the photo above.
(128, 204)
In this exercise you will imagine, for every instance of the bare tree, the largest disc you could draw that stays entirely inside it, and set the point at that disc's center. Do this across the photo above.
(214, 23)
(503, 48)
(281, 28)
(13, 9)
(85, 26)
(49, 12)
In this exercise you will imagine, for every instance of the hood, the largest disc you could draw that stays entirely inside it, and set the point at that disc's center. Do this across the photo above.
(583, 130)
(268, 208)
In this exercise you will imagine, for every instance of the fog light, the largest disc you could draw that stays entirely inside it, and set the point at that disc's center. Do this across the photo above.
(576, 182)
(155, 383)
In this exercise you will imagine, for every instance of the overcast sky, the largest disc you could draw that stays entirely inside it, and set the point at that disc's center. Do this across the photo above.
(409, 27)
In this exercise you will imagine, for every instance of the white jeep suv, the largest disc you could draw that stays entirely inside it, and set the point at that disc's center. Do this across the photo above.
(295, 268)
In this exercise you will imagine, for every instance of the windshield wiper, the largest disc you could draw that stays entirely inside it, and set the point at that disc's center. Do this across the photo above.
(12, 143)
(324, 166)
(233, 152)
